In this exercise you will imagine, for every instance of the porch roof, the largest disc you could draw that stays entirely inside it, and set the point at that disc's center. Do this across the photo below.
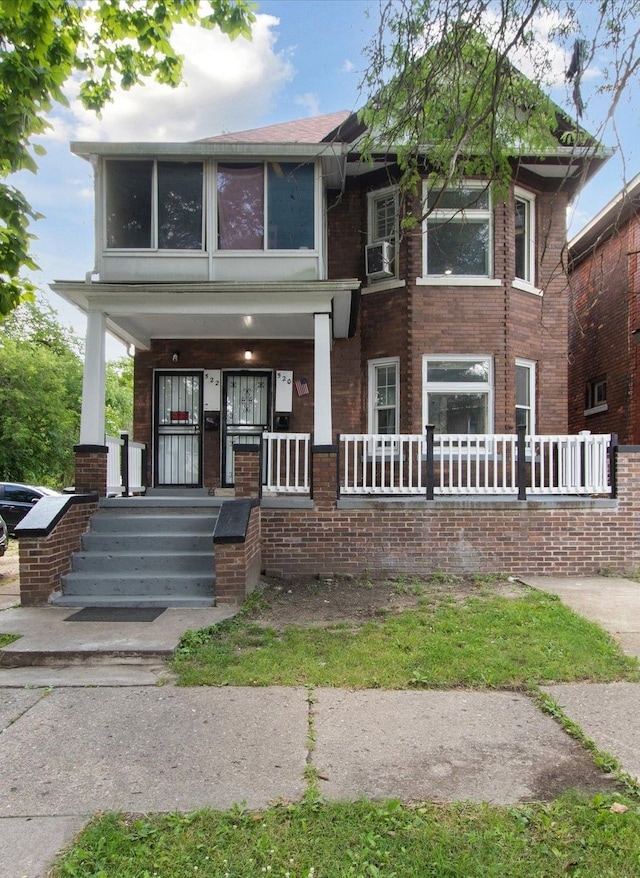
(138, 313)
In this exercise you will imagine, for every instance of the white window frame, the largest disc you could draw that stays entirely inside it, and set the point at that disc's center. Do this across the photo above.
(373, 409)
(595, 402)
(458, 215)
(153, 244)
(530, 365)
(460, 387)
(527, 284)
(373, 237)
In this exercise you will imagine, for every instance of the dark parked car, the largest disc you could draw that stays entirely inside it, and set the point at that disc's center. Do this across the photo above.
(16, 500)
(4, 540)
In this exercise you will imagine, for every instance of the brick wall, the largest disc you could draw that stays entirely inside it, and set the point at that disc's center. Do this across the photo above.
(541, 537)
(43, 560)
(90, 470)
(238, 565)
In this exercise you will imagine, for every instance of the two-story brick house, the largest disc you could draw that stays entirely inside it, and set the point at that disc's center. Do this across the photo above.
(275, 304)
(264, 282)
(604, 320)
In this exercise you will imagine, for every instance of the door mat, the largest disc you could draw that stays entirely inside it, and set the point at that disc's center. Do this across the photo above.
(116, 614)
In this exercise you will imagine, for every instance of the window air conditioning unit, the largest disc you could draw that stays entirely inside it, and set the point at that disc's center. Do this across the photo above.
(379, 259)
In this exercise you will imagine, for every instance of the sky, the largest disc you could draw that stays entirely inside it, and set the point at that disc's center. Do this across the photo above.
(305, 58)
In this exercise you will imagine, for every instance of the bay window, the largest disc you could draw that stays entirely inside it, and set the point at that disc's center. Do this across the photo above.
(458, 231)
(458, 393)
(154, 205)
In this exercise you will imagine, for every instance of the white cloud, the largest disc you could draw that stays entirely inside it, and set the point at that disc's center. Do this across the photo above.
(347, 67)
(227, 85)
(309, 102)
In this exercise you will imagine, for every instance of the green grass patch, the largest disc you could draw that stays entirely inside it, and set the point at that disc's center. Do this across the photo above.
(483, 643)
(6, 639)
(573, 835)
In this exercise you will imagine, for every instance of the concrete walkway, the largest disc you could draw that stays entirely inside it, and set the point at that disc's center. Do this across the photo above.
(107, 736)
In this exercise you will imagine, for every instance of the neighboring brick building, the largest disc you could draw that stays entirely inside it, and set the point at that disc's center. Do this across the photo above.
(604, 321)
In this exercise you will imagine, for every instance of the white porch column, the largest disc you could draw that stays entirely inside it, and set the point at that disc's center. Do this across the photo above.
(322, 425)
(93, 381)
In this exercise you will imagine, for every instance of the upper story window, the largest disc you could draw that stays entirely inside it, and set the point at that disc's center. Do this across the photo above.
(154, 205)
(383, 227)
(524, 239)
(265, 206)
(458, 231)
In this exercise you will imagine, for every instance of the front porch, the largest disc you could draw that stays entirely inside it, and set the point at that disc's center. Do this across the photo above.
(580, 522)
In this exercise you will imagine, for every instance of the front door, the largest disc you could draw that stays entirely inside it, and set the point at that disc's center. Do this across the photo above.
(247, 408)
(178, 416)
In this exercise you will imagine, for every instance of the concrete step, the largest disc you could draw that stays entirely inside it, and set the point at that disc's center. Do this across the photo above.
(146, 544)
(137, 583)
(113, 561)
(120, 521)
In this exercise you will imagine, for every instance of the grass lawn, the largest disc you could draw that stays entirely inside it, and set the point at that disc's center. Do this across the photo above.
(483, 641)
(571, 836)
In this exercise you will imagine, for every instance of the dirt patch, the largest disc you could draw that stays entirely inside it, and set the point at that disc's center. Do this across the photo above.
(308, 601)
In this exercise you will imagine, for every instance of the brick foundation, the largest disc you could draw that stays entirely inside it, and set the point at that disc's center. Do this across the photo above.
(562, 537)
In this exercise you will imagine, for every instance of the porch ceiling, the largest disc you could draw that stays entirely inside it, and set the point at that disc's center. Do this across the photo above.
(139, 313)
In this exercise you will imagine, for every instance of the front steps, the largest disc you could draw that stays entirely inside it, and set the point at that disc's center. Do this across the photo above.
(145, 552)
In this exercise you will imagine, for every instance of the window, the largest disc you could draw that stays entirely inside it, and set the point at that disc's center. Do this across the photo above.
(154, 205)
(458, 393)
(525, 395)
(265, 206)
(524, 239)
(383, 220)
(458, 231)
(596, 396)
(383, 396)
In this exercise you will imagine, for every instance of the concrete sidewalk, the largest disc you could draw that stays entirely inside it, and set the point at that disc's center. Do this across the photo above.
(108, 737)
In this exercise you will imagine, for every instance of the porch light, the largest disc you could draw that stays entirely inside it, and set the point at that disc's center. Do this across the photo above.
(248, 355)
(635, 335)
(175, 356)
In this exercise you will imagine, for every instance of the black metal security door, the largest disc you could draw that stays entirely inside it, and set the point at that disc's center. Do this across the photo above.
(178, 416)
(247, 408)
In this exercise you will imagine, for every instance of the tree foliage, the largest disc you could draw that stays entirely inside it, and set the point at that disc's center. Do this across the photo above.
(119, 396)
(444, 80)
(40, 397)
(41, 394)
(110, 43)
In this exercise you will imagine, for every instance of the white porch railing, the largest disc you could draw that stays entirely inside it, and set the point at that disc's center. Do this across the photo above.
(125, 465)
(286, 463)
(464, 464)
(381, 464)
